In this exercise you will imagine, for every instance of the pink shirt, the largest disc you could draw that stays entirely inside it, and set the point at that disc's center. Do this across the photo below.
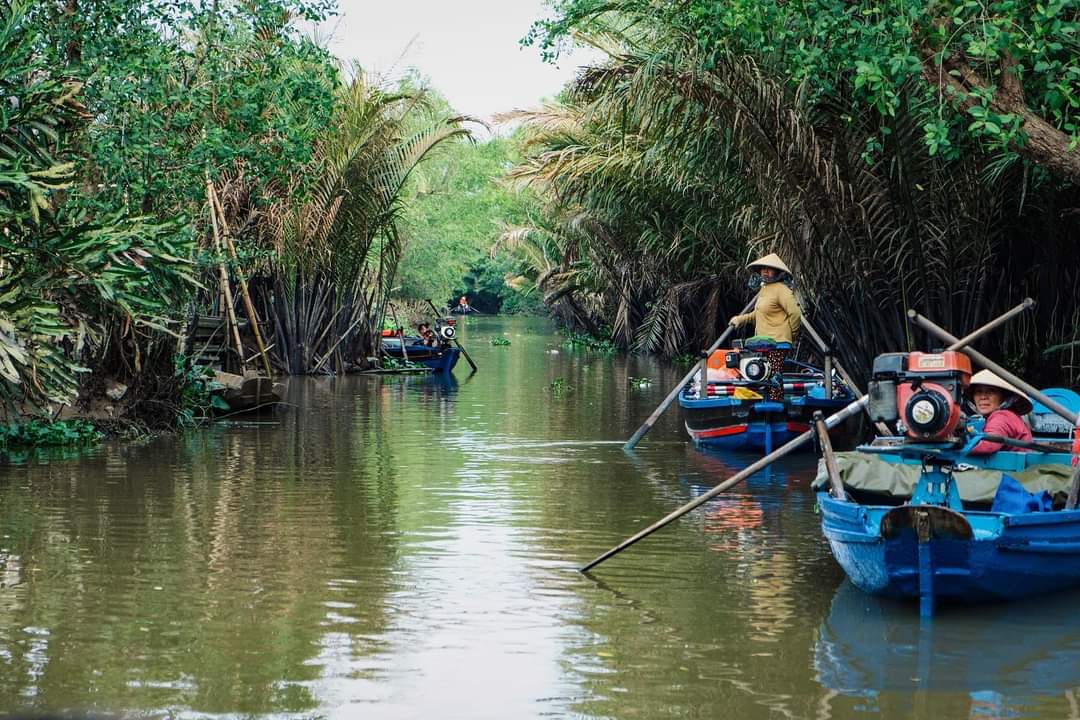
(1005, 423)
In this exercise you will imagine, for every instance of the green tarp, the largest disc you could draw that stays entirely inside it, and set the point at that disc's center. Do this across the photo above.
(862, 471)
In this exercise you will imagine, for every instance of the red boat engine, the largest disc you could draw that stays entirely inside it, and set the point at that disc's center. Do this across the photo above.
(923, 391)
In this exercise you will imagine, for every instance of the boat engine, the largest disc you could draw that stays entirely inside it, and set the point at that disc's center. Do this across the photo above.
(752, 366)
(923, 391)
(446, 329)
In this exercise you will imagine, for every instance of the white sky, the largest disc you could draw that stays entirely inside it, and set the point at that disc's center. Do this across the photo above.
(468, 48)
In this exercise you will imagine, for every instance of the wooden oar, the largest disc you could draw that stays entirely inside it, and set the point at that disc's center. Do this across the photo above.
(835, 419)
(990, 365)
(662, 407)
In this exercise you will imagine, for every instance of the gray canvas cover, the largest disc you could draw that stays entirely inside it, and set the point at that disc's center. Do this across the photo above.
(863, 471)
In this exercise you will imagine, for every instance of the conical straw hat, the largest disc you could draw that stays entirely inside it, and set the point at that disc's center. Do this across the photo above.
(1022, 405)
(772, 260)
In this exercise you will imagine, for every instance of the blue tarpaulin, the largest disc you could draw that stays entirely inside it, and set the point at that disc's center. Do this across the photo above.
(1011, 497)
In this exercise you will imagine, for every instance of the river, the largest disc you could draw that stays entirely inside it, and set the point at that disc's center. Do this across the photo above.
(403, 547)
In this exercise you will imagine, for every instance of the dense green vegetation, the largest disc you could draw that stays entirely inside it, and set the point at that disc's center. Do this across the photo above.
(121, 120)
(458, 210)
(896, 154)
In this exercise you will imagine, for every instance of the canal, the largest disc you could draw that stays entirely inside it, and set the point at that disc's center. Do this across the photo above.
(406, 547)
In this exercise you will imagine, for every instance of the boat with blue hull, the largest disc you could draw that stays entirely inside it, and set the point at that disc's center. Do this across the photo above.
(440, 359)
(919, 516)
(946, 552)
(736, 411)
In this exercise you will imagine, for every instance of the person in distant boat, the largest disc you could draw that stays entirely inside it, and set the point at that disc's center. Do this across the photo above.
(463, 306)
(1002, 405)
(775, 314)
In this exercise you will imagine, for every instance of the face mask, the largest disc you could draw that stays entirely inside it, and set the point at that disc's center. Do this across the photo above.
(755, 282)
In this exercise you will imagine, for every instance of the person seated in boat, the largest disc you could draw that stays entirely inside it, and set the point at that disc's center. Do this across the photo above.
(427, 335)
(1001, 405)
(775, 314)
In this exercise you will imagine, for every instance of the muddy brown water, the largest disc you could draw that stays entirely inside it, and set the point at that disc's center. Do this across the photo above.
(401, 547)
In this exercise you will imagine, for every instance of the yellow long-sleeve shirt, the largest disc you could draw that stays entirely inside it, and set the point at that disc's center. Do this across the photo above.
(775, 313)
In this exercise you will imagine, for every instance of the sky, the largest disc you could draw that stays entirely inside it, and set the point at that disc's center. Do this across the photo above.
(468, 49)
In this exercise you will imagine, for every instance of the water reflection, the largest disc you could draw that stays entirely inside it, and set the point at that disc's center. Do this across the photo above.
(990, 660)
(400, 547)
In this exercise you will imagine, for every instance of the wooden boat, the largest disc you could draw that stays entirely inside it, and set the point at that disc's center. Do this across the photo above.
(916, 516)
(735, 414)
(439, 358)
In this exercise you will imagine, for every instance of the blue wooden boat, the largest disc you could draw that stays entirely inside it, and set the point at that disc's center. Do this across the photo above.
(440, 359)
(735, 414)
(933, 548)
(914, 520)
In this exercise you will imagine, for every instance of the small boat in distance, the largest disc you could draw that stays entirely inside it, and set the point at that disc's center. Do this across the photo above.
(735, 411)
(436, 352)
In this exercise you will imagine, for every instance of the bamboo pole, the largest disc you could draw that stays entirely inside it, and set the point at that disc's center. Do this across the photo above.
(663, 406)
(832, 421)
(223, 274)
(249, 307)
(836, 485)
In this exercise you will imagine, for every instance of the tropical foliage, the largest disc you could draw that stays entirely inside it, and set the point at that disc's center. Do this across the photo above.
(719, 131)
(121, 119)
(65, 274)
(334, 257)
(457, 211)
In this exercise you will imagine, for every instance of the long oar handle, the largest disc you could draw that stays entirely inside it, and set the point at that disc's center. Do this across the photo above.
(833, 420)
(662, 408)
(462, 349)
(989, 364)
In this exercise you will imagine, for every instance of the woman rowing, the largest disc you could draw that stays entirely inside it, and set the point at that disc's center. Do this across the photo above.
(776, 316)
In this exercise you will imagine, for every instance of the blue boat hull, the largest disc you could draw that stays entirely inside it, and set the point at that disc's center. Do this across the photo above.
(435, 359)
(1006, 556)
(754, 425)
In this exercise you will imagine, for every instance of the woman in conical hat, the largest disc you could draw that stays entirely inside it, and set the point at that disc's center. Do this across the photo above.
(1002, 405)
(775, 313)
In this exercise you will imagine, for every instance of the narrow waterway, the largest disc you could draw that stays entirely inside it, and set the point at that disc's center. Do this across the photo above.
(404, 547)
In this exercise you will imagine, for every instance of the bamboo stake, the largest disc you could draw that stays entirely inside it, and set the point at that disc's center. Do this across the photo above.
(832, 421)
(249, 307)
(663, 406)
(223, 274)
(836, 485)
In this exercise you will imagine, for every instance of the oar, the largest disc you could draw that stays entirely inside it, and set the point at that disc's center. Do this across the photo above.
(833, 420)
(662, 407)
(989, 364)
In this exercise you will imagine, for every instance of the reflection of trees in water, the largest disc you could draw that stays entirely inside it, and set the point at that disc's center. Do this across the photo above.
(196, 571)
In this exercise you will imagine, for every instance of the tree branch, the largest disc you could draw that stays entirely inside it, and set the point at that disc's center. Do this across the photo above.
(1043, 144)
